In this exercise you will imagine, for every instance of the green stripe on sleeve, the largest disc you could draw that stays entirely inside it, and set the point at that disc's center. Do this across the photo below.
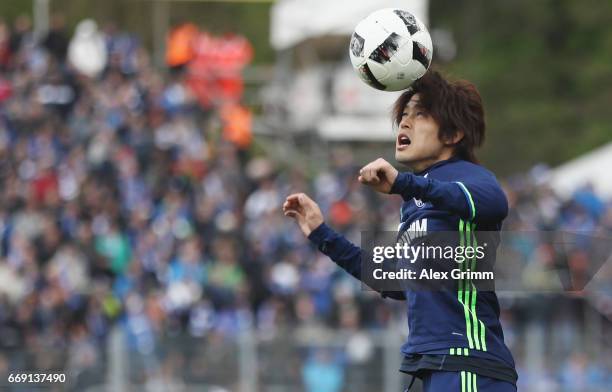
(469, 382)
(466, 295)
(470, 199)
(461, 243)
(462, 294)
(483, 336)
(475, 323)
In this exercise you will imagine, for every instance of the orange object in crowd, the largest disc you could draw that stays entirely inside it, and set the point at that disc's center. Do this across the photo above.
(180, 45)
(215, 72)
(237, 121)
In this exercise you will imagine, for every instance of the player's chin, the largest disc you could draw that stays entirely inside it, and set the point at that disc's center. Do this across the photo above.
(403, 157)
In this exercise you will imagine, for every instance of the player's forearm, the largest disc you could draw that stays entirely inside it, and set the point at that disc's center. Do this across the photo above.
(444, 195)
(343, 252)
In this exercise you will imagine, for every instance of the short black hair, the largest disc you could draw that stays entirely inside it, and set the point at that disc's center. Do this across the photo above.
(455, 106)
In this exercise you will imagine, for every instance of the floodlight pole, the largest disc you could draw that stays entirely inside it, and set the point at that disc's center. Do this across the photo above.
(41, 18)
(160, 29)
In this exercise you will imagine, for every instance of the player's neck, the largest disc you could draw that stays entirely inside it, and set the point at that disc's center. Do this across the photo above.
(421, 166)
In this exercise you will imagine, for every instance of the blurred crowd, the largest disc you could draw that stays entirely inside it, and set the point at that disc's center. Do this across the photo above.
(123, 204)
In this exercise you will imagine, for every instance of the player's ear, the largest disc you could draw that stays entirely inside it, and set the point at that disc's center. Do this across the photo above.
(455, 138)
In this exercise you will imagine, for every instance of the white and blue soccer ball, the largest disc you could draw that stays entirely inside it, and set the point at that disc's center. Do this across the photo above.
(390, 49)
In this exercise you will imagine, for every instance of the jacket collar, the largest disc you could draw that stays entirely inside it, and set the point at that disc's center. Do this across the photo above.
(436, 165)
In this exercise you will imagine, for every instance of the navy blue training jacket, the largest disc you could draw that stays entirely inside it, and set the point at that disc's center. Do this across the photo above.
(452, 195)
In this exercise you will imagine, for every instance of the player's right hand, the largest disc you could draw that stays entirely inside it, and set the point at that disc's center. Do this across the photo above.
(304, 210)
(378, 174)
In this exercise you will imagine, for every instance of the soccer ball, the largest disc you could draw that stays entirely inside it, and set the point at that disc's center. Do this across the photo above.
(390, 49)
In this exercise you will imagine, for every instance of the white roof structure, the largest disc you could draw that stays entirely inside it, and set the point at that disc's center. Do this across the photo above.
(594, 168)
(294, 21)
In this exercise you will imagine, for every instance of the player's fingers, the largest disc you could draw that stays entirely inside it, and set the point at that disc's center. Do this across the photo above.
(297, 202)
(366, 167)
(293, 197)
(295, 205)
(363, 178)
(291, 202)
(363, 170)
(372, 166)
(365, 173)
(305, 201)
(296, 214)
(289, 213)
(298, 197)
(372, 174)
(378, 168)
(365, 181)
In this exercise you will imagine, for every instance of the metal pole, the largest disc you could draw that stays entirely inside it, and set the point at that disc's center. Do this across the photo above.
(117, 362)
(41, 18)
(594, 331)
(534, 343)
(391, 359)
(161, 17)
(247, 359)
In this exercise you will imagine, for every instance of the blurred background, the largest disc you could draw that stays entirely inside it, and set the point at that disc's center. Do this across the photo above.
(146, 148)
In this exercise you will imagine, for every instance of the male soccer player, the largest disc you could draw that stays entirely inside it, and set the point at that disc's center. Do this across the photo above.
(455, 340)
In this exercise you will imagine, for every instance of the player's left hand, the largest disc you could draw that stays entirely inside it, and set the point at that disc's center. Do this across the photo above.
(378, 174)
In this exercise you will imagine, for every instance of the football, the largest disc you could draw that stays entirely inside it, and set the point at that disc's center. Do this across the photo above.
(390, 49)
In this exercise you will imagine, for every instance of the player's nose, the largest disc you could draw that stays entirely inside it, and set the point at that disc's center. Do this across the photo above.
(406, 123)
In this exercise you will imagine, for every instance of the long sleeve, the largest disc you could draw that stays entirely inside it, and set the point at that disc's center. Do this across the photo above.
(344, 253)
(479, 200)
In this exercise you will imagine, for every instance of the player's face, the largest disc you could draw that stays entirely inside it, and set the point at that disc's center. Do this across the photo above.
(417, 144)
